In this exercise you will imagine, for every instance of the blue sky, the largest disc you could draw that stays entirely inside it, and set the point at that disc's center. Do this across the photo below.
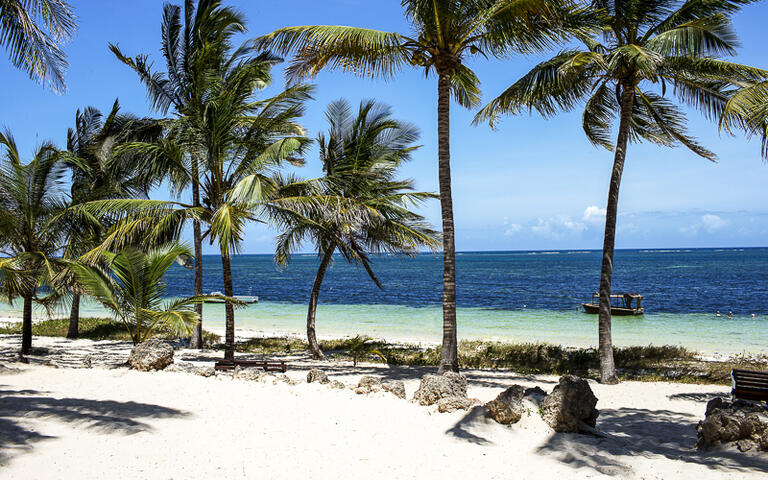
(532, 184)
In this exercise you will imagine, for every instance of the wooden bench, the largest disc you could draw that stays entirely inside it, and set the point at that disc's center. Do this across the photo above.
(749, 385)
(267, 365)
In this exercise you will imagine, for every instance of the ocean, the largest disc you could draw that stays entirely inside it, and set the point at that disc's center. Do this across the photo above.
(521, 296)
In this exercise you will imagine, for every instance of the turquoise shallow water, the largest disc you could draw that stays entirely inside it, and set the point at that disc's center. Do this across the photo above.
(699, 331)
(510, 296)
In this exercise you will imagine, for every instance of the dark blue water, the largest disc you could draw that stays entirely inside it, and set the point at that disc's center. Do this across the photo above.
(672, 281)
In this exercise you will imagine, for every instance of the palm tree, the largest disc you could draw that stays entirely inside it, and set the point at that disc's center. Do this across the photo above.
(31, 227)
(445, 34)
(645, 45)
(246, 140)
(98, 173)
(133, 288)
(360, 158)
(747, 109)
(190, 50)
(31, 31)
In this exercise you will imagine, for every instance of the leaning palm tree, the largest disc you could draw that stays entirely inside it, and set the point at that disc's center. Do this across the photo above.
(445, 34)
(646, 47)
(98, 173)
(360, 158)
(32, 31)
(31, 227)
(132, 287)
(191, 46)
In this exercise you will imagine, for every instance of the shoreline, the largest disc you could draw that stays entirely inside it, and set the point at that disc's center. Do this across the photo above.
(424, 339)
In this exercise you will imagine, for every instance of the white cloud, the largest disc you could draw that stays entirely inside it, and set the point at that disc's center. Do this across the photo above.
(594, 215)
(708, 222)
(713, 222)
(558, 227)
(513, 229)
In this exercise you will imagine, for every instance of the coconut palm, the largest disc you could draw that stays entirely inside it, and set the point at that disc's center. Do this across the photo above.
(32, 31)
(132, 287)
(191, 46)
(245, 139)
(31, 227)
(98, 173)
(646, 47)
(747, 109)
(445, 34)
(360, 158)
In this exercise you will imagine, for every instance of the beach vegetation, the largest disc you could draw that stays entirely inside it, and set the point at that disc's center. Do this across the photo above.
(131, 286)
(444, 36)
(363, 347)
(649, 53)
(95, 328)
(366, 209)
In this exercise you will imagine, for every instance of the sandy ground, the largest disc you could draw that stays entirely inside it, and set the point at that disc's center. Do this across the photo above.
(106, 422)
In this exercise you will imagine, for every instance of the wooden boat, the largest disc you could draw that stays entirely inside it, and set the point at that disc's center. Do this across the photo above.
(622, 304)
(242, 298)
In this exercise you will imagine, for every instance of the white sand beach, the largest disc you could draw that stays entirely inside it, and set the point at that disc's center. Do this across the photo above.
(59, 422)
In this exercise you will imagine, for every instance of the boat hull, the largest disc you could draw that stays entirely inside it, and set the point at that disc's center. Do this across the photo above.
(594, 308)
(242, 298)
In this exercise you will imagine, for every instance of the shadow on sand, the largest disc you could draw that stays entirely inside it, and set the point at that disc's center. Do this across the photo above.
(105, 416)
(647, 433)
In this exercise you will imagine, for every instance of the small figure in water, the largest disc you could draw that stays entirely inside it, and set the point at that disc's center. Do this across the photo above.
(525, 306)
(730, 314)
(753, 315)
(717, 314)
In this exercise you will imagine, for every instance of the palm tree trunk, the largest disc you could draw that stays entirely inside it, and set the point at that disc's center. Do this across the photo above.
(196, 340)
(449, 355)
(74, 317)
(229, 309)
(312, 309)
(605, 343)
(26, 326)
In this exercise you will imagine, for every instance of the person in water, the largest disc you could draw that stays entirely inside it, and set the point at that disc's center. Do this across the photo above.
(730, 314)
(717, 314)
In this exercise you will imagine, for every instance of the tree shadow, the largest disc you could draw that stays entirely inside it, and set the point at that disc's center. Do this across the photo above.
(104, 416)
(471, 425)
(475, 378)
(698, 396)
(648, 433)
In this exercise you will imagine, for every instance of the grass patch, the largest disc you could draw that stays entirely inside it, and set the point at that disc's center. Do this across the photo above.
(93, 328)
(645, 363)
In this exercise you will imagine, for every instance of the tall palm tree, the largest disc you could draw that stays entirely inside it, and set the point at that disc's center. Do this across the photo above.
(646, 47)
(32, 31)
(31, 227)
(191, 47)
(360, 158)
(98, 173)
(246, 140)
(445, 34)
(132, 287)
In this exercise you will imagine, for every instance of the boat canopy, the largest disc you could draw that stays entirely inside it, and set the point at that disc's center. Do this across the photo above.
(623, 300)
